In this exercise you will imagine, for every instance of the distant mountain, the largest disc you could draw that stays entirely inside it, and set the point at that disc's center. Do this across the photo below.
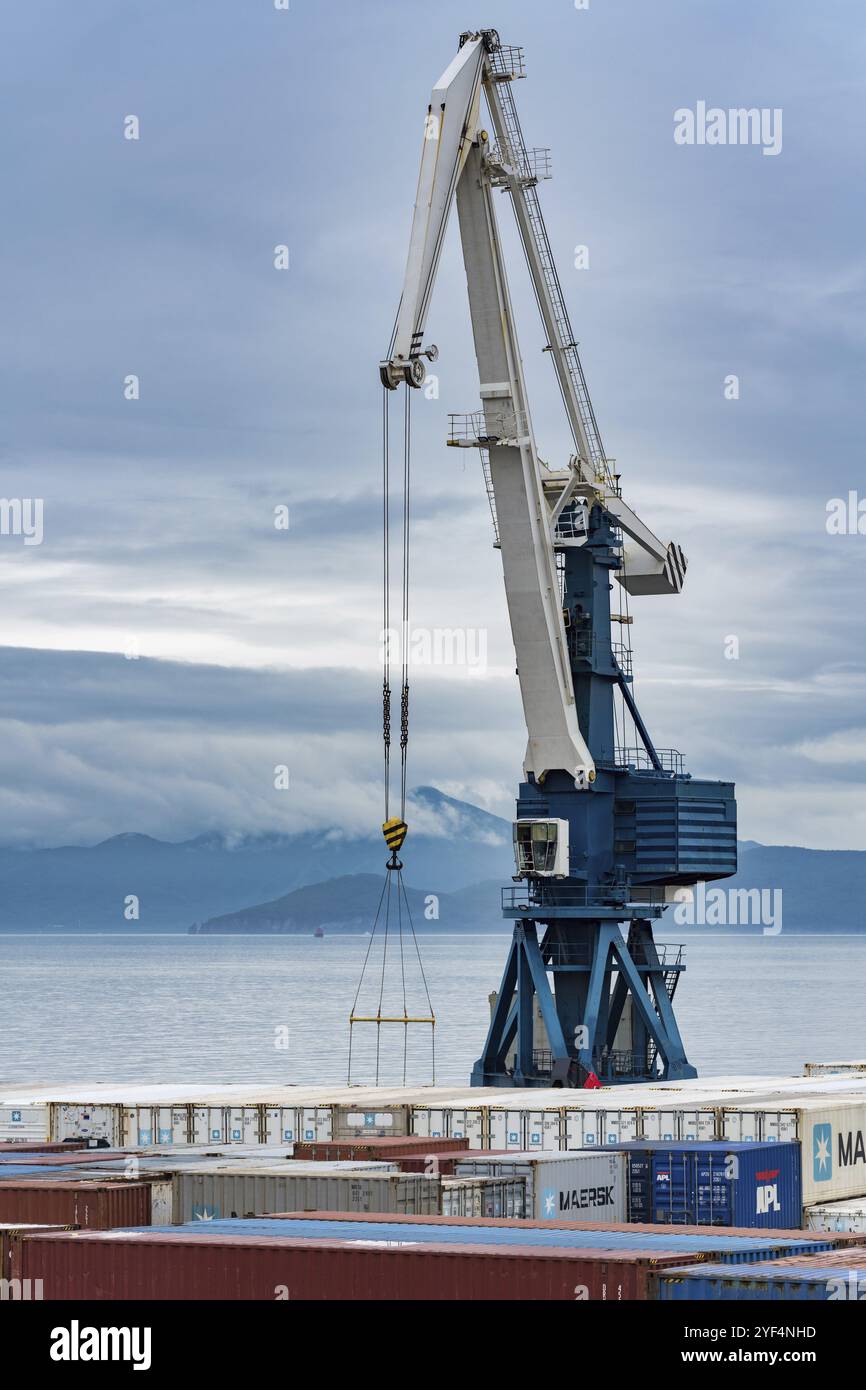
(350, 904)
(814, 890)
(451, 845)
(455, 851)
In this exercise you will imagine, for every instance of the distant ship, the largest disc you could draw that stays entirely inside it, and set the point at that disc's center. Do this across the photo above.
(320, 931)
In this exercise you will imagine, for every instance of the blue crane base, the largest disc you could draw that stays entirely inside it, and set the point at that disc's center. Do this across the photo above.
(598, 973)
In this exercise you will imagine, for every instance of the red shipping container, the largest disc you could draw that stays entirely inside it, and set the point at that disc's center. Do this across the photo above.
(40, 1147)
(93, 1205)
(182, 1266)
(9, 1235)
(445, 1162)
(80, 1158)
(390, 1148)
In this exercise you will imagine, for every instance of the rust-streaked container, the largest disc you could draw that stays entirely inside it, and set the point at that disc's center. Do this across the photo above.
(10, 1234)
(392, 1148)
(91, 1205)
(185, 1266)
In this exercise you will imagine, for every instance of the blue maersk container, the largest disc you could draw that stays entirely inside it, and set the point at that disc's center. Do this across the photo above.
(697, 1183)
(762, 1282)
(723, 1248)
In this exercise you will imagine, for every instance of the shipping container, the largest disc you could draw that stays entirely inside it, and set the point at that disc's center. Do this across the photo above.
(832, 1135)
(823, 1280)
(715, 1184)
(834, 1068)
(838, 1216)
(484, 1197)
(197, 1265)
(392, 1149)
(712, 1243)
(26, 1124)
(217, 1193)
(24, 1150)
(93, 1205)
(576, 1185)
(451, 1122)
(10, 1232)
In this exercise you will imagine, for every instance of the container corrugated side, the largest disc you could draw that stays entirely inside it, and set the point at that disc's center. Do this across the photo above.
(212, 1194)
(10, 1232)
(200, 1265)
(559, 1184)
(484, 1197)
(97, 1206)
(24, 1123)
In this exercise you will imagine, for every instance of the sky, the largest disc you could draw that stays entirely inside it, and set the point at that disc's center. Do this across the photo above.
(166, 646)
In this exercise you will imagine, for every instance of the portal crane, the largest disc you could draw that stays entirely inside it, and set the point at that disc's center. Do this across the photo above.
(605, 834)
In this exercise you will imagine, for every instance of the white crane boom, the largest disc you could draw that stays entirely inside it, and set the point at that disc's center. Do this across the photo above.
(457, 164)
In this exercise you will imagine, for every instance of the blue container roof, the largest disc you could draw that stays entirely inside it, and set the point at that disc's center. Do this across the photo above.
(736, 1248)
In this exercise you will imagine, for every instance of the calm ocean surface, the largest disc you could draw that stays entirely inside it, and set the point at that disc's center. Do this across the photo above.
(220, 1009)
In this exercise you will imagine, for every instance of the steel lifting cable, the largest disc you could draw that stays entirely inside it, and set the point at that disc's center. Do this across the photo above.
(386, 600)
(404, 634)
(394, 828)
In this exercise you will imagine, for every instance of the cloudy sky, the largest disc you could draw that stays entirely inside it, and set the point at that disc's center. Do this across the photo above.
(165, 646)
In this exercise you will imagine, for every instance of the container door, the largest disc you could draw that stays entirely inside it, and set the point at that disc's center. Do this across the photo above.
(789, 1127)
(551, 1131)
(669, 1125)
(496, 1122)
(507, 1129)
(468, 1124)
(281, 1124)
(209, 1122)
(161, 1203)
(315, 1123)
(581, 1129)
(90, 1122)
(421, 1121)
(144, 1125)
(534, 1129)
(243, 1125)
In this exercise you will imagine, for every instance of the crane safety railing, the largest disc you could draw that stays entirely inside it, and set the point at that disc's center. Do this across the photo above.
(536, 894)
(529, 166)
(506, 62)
(638, 758)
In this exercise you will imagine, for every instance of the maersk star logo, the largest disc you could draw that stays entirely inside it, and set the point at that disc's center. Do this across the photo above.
(822, 1139)
(549, 1202)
